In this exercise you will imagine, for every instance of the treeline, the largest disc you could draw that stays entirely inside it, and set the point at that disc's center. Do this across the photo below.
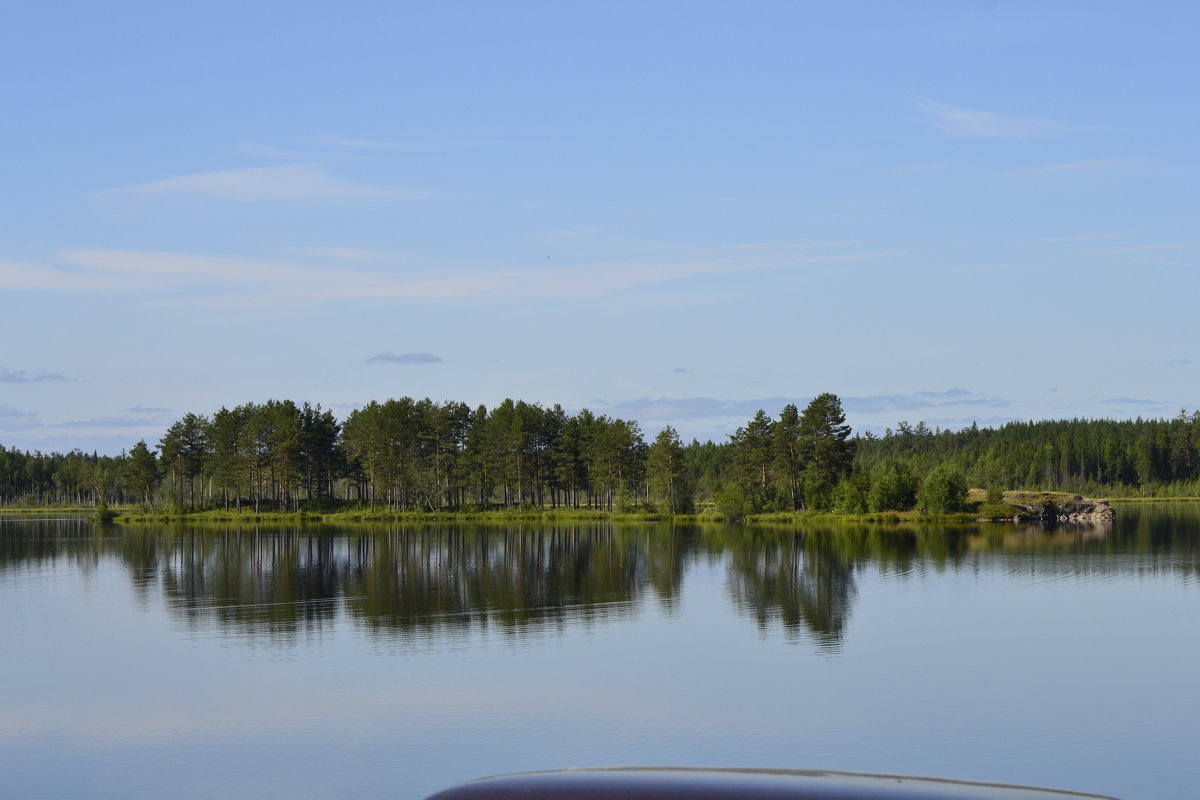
(405, 454)
(1117, 457)
(402, 454)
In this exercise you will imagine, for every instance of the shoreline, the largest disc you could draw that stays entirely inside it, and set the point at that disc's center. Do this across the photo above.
(365, 516)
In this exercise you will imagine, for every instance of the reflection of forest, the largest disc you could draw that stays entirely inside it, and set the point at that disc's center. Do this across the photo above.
(396, 581)
(432, 582)
(806, 589)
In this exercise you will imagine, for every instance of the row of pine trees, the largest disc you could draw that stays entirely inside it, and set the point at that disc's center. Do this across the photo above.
(407, 454)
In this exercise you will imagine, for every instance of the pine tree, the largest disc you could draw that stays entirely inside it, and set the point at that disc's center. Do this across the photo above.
(825, 448)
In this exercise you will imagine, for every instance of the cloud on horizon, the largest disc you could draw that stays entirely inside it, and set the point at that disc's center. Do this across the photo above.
(1130, 401)
(22, 376)
(13, 419)
(108, 422)
(666, 409)
(405, 358)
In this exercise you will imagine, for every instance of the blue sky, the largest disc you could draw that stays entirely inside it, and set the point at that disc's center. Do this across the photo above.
(671, 212)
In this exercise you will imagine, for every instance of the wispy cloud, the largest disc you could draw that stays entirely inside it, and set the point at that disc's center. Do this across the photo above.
(975, 122)
(12, 419)
(109, 422)
(292, 184)
(1074, 167)
(245, 282)
(690, 408)
(902, 403)
(21, 376)
(146, 410)
(1130, 401)
(680, 370)
(946, 393)
(405, 358)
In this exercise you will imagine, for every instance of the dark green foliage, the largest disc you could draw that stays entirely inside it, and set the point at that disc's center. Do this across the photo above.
(419, 455)
(667, 474)
(826, 450)
(732, 502)
(893, 488)
(942, 491)
(1114, 457)
(850, 494)
(752, 450)
(789, 462)
(141, 473)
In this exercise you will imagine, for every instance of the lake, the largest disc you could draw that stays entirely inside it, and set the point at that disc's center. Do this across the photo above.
(393, 661)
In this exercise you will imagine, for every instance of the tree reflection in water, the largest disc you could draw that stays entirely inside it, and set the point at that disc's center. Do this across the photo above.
(429, 582)
(808, 590)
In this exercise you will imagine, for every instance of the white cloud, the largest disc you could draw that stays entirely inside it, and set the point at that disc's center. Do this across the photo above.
(22, 376)
(974, 122)
(294, 184)
(405, 358)
(235, 282)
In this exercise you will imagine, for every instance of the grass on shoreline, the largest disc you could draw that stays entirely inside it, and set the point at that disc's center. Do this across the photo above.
(359, 515)
(366, 516)
(1133, 500)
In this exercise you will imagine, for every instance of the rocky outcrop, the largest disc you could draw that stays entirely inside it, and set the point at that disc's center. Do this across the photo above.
(1077, 509)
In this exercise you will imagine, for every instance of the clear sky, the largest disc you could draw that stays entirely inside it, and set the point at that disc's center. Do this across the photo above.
(675, 212)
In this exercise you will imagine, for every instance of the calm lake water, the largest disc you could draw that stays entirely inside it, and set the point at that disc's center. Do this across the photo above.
(230, 662)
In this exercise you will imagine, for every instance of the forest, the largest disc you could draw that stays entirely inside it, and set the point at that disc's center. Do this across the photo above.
(406, 455)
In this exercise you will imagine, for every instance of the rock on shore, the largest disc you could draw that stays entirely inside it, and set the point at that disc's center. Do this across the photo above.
(1077, 509)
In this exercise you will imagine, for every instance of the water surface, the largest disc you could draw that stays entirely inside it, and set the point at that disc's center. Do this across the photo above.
(389, 662)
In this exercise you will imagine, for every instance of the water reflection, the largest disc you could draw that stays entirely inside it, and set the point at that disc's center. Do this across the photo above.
(517, 580)
(402, 583)
(803, 582)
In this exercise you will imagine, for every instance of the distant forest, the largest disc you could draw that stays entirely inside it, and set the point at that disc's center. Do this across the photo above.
(420, 455)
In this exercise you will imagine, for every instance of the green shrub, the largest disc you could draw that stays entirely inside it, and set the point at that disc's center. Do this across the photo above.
(732, 502)
(944, 490)
(893, 488)
(850, 495)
